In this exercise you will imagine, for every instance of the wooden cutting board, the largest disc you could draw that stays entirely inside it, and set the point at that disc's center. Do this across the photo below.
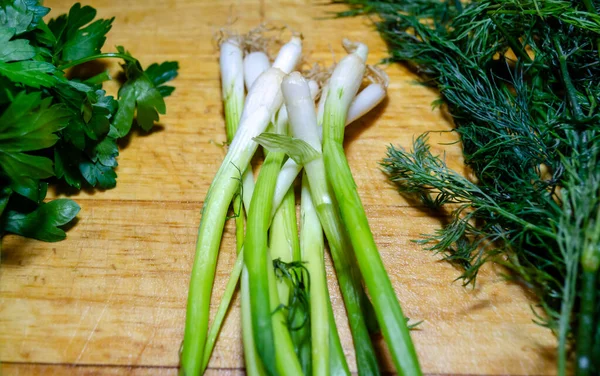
(110, 300)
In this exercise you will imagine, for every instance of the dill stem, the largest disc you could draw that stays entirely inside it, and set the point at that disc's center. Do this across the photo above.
(586, 322)
(589, 6)
(592, 9)
(514, 44)
(524, 223)
(566, 78)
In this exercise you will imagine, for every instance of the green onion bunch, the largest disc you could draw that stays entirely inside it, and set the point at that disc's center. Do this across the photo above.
(287, 319)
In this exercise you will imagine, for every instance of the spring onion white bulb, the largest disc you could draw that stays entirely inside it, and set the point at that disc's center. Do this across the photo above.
(232, 84)
(289, 55)
(301, 108)
(365, 101)
(255, 63)
(313, 86)
(321, 105)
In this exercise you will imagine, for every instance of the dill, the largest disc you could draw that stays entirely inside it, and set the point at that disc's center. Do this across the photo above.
(521, 79)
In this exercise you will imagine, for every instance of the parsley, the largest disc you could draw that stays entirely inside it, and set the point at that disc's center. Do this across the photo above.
(55, 127)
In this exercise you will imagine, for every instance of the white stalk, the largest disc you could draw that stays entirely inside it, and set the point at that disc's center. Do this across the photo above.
(290, 169)
(289, 55)
(301, 108)
(303, 123)
(346, 79)
(287, 58)
(232, 72)
(232, 84)
(255, 63)
(262, 102)
(321, 106)
(344, 84)
(365, 101)
(314, 88)
(356, 48)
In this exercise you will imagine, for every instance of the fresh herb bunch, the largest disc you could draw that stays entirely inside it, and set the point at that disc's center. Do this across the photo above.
(56, 125)
(521, 79)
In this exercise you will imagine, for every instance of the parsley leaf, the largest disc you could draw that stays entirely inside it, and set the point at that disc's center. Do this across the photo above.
(22, 15)
(161, 73)
(76, 41)
(58, 124)
(29, 72)
(66, 164)
(4, 196)
(42, 223)
(28, 124)
(19, 49)
(98, 175)
(139, 92)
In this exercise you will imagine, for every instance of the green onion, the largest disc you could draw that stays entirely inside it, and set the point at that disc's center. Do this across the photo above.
(257, 261)
(263, 100)
(344, 84)
(304, 126)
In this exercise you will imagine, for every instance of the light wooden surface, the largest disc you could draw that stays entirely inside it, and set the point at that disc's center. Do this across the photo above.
(110, 300)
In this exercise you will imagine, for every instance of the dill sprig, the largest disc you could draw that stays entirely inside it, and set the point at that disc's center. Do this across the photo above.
(297, 308)
(521, 79)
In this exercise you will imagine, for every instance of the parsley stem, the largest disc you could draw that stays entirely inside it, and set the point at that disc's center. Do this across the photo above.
(98, 56)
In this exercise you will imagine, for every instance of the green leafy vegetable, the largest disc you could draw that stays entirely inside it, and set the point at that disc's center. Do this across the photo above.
(522, 81)
(14, 50)
(22, 15)
(56, 126)
(42, 223)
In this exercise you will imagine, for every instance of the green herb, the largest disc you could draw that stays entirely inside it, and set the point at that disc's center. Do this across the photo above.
(57, 126)
(521, 79)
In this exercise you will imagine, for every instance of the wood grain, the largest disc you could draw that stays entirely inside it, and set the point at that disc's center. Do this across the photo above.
(110, 300)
